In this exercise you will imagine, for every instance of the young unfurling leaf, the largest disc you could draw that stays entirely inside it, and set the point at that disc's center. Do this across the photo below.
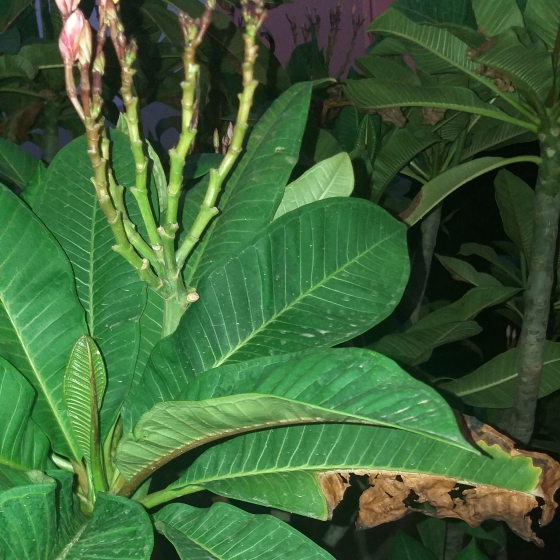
(84, 385)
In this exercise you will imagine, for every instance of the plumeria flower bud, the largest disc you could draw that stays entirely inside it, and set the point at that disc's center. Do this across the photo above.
(66, 7)
(84, 48)
(69, 40)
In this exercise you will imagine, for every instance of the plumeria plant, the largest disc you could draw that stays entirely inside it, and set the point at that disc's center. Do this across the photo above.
(141, 322)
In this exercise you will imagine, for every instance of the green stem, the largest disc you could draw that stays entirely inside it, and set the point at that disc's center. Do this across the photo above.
(172, 312)
(217, 176)
(157, 498)
(140, 190)
(539, 284)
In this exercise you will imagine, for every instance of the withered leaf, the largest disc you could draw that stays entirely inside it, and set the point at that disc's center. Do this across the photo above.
(393, 115)
(393, 494)
(432, 115)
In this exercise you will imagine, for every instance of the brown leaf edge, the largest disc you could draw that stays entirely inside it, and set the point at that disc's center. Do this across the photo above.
(392, 495)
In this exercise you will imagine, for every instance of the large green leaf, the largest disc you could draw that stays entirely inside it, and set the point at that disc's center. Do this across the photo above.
(315, 277)
(448, 324)
(464, 272)
(401, 146)
(42, 522)
(281, 467)
(508, 272)
(433, 533)
(529, 67)
(16, 165)
(515, 201)
(381, 67)
(373, 93)
(433, 192)
(85, 381)
(23, 445)
(40, 316)
(109, 289)
(319, 386)
(542, 17)
(346, 127)
(438, 12)
(10, 10)
(493, 384)
(225, 532)
(253, 191)
(489, 134)
(327, 179)
(497, 16)
(432, 45)
(405, 547)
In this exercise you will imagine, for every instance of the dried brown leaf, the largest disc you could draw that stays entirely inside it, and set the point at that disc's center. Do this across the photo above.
(393, 115)
(391, 494)
(432, 115)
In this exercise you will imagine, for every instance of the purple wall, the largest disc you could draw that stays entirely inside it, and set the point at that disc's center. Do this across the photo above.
(278, 25)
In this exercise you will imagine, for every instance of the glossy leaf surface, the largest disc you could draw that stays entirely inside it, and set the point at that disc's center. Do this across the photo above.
(279, 468)
(23, 445)
(321, 386)
(40, 317)
(85, 381)
(329, 178)
(16, 165)
(225, 532)
(109, 289)
(252, 193)
(42, 522)
(315, 277)
(493, 384)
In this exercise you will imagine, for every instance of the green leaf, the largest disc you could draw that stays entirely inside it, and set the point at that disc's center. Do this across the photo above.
(84, 385)
(332, 177)
(468, 306)
(373, 93)
(280, 467)
(432, 532)
(198, 165)
(515, 201)
(326, 145)
(10, 10)
(111, 293)
(471, 552)
(485, 252)
(436, 50)
(225, 532)
(447, 324)
(495, 17)
(381, 67)
(40, 316)
(41, 522)
(529, 67)
(33, 185)
(151, 323)
(16, 165)
(401, 146)
(346, 127)
(464, 272)
(433, 192)
(407, 548)
(414, 347)
(307, 62)
(492, 135)
(493, 384)
(16, 66)
(315, 277)
(23, 445)
(319, 386)
(542, 17)
(458, 12)
(253, 191)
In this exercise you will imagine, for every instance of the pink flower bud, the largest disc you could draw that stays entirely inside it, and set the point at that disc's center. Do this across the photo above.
(66, 7)
(69, 40)
(84, 48)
